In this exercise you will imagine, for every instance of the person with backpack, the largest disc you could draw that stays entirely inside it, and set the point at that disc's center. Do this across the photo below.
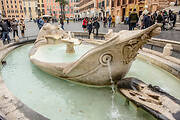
(133, 19)
(96, 26)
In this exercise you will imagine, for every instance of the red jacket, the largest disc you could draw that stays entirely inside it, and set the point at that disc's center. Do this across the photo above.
(85, 22)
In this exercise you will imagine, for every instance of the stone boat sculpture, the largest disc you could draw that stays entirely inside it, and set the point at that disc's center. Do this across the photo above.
(119, 52)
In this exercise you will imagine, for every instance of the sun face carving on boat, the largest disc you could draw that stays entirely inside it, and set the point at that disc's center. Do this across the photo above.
(92, 66)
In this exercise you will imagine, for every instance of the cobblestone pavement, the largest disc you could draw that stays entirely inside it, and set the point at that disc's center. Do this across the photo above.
(32, 30)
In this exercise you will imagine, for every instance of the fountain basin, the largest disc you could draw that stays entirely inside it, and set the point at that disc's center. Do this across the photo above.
(58, 99)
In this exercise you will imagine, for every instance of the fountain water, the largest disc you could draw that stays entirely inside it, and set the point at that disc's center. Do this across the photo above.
(114, 110)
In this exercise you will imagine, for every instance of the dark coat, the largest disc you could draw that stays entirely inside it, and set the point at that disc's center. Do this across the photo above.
(96, 25)
(147, 21)
(90, 27)
(4, 27)
(159, 19)
(133, 18)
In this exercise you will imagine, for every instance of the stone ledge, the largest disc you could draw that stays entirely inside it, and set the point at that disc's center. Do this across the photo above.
(165, 64)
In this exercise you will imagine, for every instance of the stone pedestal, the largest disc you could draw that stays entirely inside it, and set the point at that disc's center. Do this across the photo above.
(91, 36)
(16, 39)
(167, 51)
(70, 48)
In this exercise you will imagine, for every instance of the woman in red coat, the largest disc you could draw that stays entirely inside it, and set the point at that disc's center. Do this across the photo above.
(84, 25)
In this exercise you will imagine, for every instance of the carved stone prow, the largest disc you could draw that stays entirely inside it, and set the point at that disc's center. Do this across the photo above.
(121, 50)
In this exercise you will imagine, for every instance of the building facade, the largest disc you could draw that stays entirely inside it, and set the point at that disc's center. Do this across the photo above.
(119, 8)
(40, 6)
(12, 9)
(30, 9)
(53, 8)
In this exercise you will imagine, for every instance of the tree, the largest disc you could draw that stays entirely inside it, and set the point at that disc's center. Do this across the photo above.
(62, 4)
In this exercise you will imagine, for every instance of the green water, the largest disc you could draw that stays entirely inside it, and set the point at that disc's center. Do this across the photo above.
(61, 100)
(57, 53)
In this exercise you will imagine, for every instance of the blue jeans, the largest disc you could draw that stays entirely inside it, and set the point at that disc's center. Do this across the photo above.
(109, 24)
(62, 26)
(4, 36)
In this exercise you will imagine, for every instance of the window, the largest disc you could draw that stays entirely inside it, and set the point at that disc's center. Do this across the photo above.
(17, 15)
(25, 10)
(107, 2)
(11, 6)
(15, 6)
(131, 1)
(118, 2)
(12, 11)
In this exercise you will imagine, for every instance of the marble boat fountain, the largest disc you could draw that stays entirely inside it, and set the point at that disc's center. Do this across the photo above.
(91, 68)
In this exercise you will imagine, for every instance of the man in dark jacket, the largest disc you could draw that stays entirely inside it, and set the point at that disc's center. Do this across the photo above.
(5, 31)
(159, 17)
(133, 19)
(96, 26)
(147, 20)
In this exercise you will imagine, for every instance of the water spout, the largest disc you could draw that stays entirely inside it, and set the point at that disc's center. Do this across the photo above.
(114, 110)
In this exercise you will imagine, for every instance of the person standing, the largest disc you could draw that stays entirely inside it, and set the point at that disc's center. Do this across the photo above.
(159, 17)
(110, 20)
(22, 27)
(155, 16)
(40, 23)
(84, 25)
(62, 23)
(133, 19)
(90, 27)
(96, 26)
(104, 21)
(14, 26)
(174, 18)
(113, 21)
(5, 31)
(147, 20)
(67, 20)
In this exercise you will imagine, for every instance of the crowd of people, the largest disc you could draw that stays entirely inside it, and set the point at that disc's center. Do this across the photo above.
(167, 19)
(91, 25)
(11, 25)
